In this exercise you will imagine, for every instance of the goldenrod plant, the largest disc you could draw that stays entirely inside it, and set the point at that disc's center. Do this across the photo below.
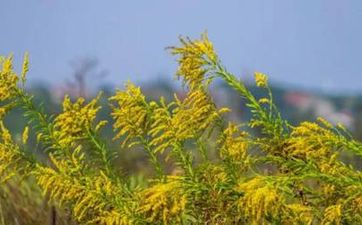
(267, 171)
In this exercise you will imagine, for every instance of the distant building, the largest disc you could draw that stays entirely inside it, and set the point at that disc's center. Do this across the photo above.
(319, 107)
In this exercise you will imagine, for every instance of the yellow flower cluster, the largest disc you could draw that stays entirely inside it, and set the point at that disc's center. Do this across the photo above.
(298, 214)
(264, 101)
(75, 119)
(7, 155)
(259, 201)
(25, 68)
(8, 80)
(357, 205)
(308, 140)
(164, 202)
(281, 175)
(313, 141)
(5, 135)
(212, 174)
(186, 120)
(234, 144)
(71, 180)
(114, 218)
(130, 115)
(261, 79)
(10, 155)
(332, 215)
(25, 135)
(195, 57)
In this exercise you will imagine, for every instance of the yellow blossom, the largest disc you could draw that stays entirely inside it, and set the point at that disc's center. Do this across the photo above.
(5, 134)
(130, 114)
(5, 109)
(10, 156)
(357, 205)
(114, 217)
(306, 141)
(299, 214)
(264, 101)
(75, 119)
(188, 119)
(195, 57)
(324, 122)
(8, 80)
(164, 201)
(25, 135)
(261, 79)
(234, 144)
(212, 174)
(332, 215)
(259, 200)
(25, 68)
(311, 141)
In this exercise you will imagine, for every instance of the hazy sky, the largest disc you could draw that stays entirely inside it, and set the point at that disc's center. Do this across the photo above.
(309, 43)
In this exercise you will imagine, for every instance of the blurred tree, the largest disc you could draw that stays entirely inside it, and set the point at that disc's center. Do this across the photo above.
(84, 68)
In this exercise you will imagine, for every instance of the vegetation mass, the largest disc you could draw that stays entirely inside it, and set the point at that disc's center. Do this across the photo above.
(206, 169)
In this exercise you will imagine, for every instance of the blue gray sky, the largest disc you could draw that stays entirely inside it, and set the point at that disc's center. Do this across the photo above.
(308, 43)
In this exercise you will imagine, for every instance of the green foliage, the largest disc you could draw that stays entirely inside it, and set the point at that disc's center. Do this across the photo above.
(266, 171)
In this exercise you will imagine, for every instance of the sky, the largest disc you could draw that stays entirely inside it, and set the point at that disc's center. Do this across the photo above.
(309, 44)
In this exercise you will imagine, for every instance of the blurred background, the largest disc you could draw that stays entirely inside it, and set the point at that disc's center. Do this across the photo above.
(310, 49)
(309, 44)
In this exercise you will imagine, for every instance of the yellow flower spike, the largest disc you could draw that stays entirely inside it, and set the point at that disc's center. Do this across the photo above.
(164, 201)
(25, 135)
(234, 144)
(261, 79)
(8, 64)
(300, 214)
(8, 80)
(189, 118)
(100, 125)
(259, 201)
(25, 68)
(206, 47)
(38, 137)
(358, 204)
(87, 195)
(306, 141)
(332, 215)
(5, 134)
(130, 114)
(11, 157)
(5, 109)
(75, 119)
(224, 110)
(113, 217)
(195, 56)
(342, 127)
(264, 101)
(324, 122)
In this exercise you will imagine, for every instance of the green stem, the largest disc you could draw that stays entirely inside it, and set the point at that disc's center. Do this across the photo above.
(184, 160)
(153, 158)
(202, 148)
(271, 125)
(42, 123)
(102, 151)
